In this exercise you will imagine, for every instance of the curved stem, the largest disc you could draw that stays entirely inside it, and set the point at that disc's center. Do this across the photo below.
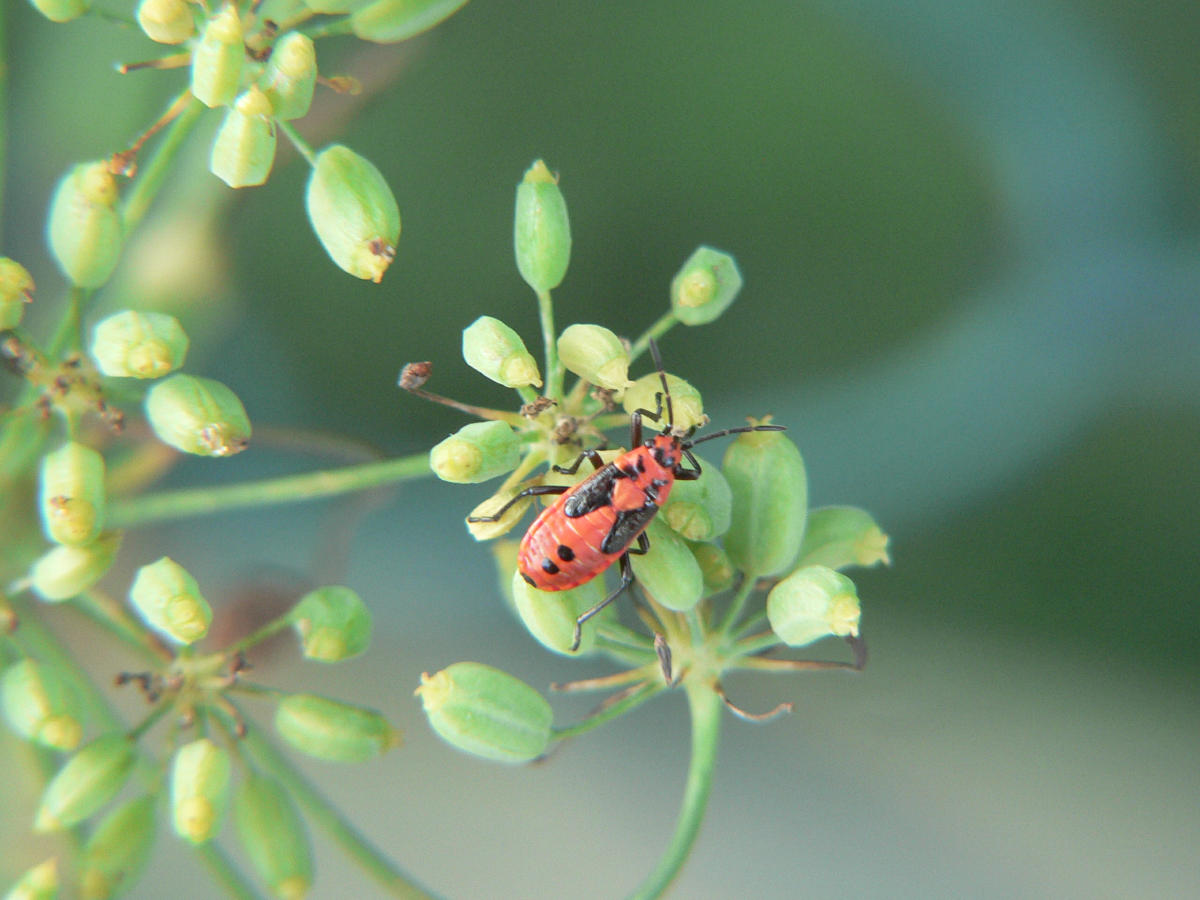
(288, 489)
(705, 706)
(654, 332)
(554, 370)
(149, 181)
(354, 844)
(633, 698)
(298, 142)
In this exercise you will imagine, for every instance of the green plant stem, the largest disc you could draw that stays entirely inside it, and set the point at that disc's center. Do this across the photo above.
(225, 873)
(756, 643)
(554, 369)
(150, 178)
(288, 489)
(705, 706)
(737, 604)
(633, 699)
(654, 332)
(110, 615)
(298, 142)
(271, 628)
(355, 845)
(331, 27)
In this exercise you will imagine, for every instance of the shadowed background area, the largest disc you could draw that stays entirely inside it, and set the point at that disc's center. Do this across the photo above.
(970, 235)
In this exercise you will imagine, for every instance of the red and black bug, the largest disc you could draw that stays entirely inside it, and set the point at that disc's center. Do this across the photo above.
(598, 521)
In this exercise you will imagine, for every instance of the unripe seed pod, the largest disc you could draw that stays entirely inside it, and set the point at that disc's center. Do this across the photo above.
(66, 571)
(496, 351)
(487, 712)
(200, 775)
(485, 531)
(116, 852)
(273, 836)
(669, 572)
(16, 288)
(812, 603)
(61, 10)
(38, 883)
(334, 731)
(541, 231)
(87, 781)
(333, 623)
(840, 536)
(84, 226)
(705, 286)
(550, 615)
(166, 21)
(198, 415)
(218, 58)
(476, 452)
(170, 602)
(244, 148)
(596, 355)
(770, 500)
(41, 705)
(72, 494)
(715, 566)
(389, 21)
(686, 405)
(290, 75)
(353, 212)
(700, 510)
(136, 344)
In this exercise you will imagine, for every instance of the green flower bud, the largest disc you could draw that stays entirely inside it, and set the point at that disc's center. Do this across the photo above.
(273, 836)
(38, 883)
(61, 10)
(485, 531)
(487, 712)
(700, 510)
(389, 21)
(290, 75)
(705, 286)
(333, 623)
(596, 355)
(669, 572)
(136, 344)
(198, 415)
(16, 289)
(244, 148)
(550, 615)
(840, 536)
(218, 57)
(812, 603)
(117, 850)
(170, 602)
(353, 212)
(476, 452)
(541, 232)
(334, 731)
(72, 494)
(493, 349)
(166, 21)
(66, 571)
(84, 227)
(87, 781)
(715, 566)
(687, 408)
(200, 775)
(770, 499)
(41, 705)
(504, 555)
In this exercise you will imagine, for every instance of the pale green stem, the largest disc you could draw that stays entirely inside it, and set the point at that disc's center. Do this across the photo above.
(271, 628)
(705, 706)
(395, 881)
(151, 175)
(298, 142)
(224, 872)
(554, 369)
(654, 332)
(109, 614)
(287, 489)
(737, 604)
(630, 701)
(757, 643)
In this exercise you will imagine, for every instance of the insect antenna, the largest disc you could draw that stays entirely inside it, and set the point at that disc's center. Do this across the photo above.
(662, 376)
(688, 445)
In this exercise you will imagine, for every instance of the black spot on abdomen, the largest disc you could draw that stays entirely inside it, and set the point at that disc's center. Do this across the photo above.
(565, 553)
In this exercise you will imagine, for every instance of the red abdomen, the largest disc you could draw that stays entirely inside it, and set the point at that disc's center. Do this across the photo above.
(558, 552)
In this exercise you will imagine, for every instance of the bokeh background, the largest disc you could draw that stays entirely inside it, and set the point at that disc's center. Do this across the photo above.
(970, 233)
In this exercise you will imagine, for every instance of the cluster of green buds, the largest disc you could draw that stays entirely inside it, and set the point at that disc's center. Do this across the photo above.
(737, 563)
(214, 760)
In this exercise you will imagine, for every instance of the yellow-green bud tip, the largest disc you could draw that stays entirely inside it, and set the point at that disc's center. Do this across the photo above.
(137, 344)
(538, 173)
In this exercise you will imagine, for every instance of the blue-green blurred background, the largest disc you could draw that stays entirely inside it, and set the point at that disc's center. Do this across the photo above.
(970, 233)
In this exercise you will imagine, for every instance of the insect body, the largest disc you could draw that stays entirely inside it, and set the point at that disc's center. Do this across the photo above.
(598, 521)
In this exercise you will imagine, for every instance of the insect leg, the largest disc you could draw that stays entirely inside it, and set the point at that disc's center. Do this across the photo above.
(592, 456)
(535, 491)
(682, 474)
(626, 581)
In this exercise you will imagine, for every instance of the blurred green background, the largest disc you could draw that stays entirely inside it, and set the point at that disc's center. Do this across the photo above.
(970, 233)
